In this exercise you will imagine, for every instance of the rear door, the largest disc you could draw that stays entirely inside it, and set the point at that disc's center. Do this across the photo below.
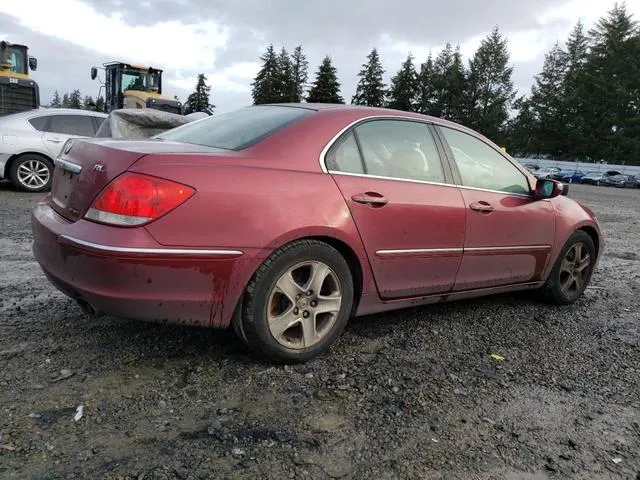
(509, 234)
(410, 217)
(62, 127)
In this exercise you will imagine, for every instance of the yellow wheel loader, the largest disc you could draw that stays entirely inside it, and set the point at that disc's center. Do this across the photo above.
(133, 86)
(17, 91)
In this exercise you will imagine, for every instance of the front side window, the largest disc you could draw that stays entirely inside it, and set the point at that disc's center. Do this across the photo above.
(238, 129)
(77, 125)
(481, 166)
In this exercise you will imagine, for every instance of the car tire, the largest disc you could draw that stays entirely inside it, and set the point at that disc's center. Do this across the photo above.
(566, 282)
(31, 173)
(281, 317)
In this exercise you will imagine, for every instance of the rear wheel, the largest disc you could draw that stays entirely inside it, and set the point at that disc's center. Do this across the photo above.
(572, 271)
(298, 302)
(31, 173)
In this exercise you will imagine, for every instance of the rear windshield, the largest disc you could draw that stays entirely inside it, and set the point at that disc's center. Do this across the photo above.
(238, 129)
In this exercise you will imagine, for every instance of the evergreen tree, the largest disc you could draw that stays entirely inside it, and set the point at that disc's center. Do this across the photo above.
(426, 94)
(75, 100)
(300, 67)
(370, 90)
(612, 69)
(265, 86)
(287, 87)
(575, 87)
(55, 101)
(199, 101)
(404, 90)
(88, 103)
(548, 105)
(325, 88)
(490, 91)
(100, 104)
(65, 100)
(455, 82)
(522, 129)
(439, 81)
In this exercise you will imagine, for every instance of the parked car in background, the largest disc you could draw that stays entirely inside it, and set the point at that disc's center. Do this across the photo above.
(531, 167)
(568, 176)
(284, 221)
(620, 181)
(545, 172)
(31, 140)
(598, 178)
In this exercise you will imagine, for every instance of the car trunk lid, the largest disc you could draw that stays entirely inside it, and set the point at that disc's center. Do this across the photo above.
(84, 168)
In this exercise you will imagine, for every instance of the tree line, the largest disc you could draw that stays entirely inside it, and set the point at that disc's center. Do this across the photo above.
(74, 99)
(583, 105)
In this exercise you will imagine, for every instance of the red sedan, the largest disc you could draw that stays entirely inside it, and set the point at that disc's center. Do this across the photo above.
(286, 220)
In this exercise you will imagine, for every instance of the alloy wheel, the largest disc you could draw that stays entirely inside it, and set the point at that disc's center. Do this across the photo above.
(304, 304)
(33, 174)
(575, 270)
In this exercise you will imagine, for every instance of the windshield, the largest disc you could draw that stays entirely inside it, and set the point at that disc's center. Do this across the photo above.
(17, 58)
(238, 129)
(141, 80)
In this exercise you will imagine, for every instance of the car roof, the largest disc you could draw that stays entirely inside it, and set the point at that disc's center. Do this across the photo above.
(39, 112)
(364, 111)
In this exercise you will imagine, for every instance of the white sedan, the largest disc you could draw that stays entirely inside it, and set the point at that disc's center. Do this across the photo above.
(30, 141)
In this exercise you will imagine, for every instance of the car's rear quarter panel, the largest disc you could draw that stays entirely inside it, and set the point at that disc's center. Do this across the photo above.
(251, 209)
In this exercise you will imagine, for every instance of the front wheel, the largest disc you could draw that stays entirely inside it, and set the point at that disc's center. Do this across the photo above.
(572, 271)
(297, 303)
(31, 173)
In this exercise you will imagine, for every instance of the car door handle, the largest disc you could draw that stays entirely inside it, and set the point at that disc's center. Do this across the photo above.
(370, 198)
(54, 140)
(481, 207)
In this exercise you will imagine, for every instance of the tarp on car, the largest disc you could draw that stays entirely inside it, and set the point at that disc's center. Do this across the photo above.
(136, 124)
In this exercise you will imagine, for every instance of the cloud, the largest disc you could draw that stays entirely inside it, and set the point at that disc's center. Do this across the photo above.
(224, 39)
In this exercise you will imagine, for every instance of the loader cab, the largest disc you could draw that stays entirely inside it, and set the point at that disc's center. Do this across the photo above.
(130, 86)
(17, 91)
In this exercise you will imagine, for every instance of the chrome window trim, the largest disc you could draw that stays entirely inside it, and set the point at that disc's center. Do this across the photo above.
(151, 251)
(335, 138)
(425, 182)
(327, 147)
(382, 177)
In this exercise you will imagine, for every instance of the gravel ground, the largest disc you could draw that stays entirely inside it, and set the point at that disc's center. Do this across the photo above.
(411, 394)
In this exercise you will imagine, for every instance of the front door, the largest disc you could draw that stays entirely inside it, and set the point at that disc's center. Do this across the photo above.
(509, 234)
(410, 219)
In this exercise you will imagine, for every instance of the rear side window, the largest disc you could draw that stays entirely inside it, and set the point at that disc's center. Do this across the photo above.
(38, 123)
(97, 122)
(238, 129)
(79, 125)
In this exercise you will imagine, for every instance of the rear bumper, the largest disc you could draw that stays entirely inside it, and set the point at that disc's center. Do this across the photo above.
(134, 277)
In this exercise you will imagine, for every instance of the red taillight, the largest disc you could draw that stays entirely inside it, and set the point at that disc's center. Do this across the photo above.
(134, 199)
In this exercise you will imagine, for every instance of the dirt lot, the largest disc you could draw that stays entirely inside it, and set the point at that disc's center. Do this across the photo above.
(411, 394)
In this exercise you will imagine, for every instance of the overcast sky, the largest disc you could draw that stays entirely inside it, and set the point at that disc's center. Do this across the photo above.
(224, 38)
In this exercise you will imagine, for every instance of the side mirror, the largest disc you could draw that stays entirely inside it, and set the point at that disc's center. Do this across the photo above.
(94, 73)
(33, 63)
(547, 188)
